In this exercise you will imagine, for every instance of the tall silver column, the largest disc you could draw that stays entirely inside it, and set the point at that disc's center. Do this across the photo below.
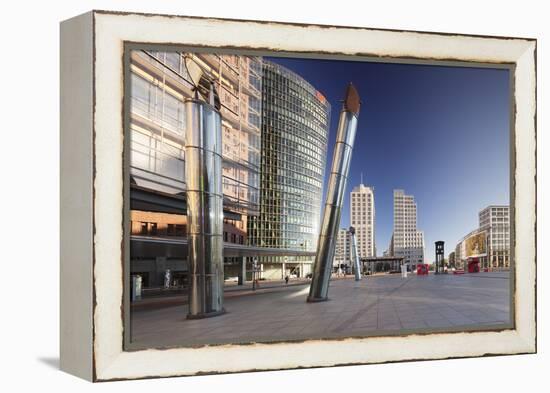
(341, 159)
(203, 175)
(355, 255)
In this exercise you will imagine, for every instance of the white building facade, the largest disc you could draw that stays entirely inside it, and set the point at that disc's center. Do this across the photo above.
(342, 253)
(362, 218)
(494, 233)
(407, 241)
(495, 220)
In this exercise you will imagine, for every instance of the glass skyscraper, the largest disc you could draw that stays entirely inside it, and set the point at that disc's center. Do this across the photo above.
(295, 126)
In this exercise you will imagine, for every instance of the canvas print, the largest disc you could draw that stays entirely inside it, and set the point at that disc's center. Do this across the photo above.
(285, 198)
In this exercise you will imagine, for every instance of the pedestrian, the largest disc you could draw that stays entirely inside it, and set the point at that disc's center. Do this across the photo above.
(286, 279)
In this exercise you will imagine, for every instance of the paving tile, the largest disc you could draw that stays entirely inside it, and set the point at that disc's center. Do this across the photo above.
(438, 323)
(414, 325)
(390, 326)
(375, 304)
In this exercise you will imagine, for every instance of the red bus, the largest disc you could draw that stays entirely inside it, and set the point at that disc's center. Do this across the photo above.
(473, 265)
(422, 269)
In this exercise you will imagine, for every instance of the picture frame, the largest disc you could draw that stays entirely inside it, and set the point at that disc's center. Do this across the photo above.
(93, 245)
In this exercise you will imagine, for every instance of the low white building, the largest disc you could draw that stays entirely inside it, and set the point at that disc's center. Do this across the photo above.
(342, 253)
(490, 242)
(495, 220)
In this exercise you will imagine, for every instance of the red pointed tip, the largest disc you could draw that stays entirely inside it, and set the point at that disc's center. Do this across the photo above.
(352, 102)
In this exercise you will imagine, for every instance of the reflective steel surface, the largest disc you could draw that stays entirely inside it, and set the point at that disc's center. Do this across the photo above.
(341, 161)
(203, 173)
(355, 255)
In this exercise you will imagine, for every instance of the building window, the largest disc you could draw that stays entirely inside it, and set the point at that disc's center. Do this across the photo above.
(148, 228)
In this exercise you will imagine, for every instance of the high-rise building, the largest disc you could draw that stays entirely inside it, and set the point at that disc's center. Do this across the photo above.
(342, 251)
(295, 124)
(407, 241)
(362, 218)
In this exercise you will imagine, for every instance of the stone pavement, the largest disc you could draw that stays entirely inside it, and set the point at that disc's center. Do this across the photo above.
(377, 305)
(230, 290)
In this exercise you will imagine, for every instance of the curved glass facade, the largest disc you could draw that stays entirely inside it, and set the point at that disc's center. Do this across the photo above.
(295, 125)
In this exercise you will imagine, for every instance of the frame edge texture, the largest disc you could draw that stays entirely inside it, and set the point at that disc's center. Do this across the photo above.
(76, 196)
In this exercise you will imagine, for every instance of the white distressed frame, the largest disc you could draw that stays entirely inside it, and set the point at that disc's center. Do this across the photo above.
(108, 360)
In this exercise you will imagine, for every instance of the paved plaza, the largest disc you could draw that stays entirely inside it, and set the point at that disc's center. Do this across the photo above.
(376, 305)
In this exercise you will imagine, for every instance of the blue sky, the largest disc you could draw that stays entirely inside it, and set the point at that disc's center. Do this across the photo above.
(440, 133)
